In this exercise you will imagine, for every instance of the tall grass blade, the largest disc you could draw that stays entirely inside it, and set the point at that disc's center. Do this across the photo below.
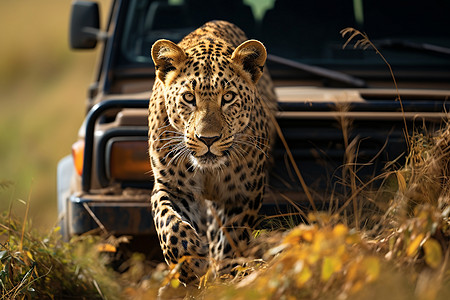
(365, 43)
(292, 161)
(25, 218)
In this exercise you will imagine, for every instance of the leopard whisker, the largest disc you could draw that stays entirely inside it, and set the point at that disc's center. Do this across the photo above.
(251, 145)
(175, 133)
(176, 139)
(228, 82)
(253, 140)
(192, 166)
(184, 153)
(251, 136)
(169, 144)
(174, 158)
(237, 151)
(176, 148)
(165, 126)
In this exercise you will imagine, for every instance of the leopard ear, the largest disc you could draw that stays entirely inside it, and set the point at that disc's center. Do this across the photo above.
(251, 55)
(167, 56)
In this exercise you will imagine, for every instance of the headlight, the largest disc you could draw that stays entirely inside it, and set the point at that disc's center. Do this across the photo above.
(127, 160)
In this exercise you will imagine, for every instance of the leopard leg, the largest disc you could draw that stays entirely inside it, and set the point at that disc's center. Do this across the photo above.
(230, 230)
(228, 239)
(180, 238)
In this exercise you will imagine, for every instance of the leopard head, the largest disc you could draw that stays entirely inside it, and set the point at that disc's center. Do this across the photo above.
(210, 93)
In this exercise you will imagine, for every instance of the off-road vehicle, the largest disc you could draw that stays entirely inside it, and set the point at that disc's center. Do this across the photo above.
(339, 110)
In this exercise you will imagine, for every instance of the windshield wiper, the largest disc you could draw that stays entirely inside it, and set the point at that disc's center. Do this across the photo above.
(319, 71)
(408, 45)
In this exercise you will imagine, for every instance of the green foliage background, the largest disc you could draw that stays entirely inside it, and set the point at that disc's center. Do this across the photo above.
(42, 92)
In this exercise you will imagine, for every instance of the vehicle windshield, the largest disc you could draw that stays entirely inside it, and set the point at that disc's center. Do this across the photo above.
(304, 31)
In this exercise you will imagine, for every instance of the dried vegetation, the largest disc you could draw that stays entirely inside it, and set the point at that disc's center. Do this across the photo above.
(402, 253)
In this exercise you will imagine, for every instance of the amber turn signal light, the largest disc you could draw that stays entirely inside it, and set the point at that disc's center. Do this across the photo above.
(78, 156)
(128, 160)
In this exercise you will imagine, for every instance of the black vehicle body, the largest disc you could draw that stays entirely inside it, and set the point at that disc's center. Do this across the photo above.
(320, 113)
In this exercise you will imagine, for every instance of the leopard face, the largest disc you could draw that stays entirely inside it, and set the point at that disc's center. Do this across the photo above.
(210, 93)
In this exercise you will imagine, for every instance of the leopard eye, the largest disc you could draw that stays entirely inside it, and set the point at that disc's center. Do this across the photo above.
(228, 97)
(189, 98)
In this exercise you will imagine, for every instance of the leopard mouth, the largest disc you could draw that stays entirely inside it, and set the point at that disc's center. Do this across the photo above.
(209, 160)
(209, 156)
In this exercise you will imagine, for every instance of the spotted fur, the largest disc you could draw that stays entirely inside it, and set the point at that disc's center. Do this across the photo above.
(209, 141)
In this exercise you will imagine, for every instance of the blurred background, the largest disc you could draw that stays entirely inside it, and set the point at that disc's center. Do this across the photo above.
(42, 95)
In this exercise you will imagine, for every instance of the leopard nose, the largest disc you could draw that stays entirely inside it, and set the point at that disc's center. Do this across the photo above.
(209, 140)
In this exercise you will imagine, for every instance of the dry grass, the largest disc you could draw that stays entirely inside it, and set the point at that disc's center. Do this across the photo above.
(403, 256)
(41, 266)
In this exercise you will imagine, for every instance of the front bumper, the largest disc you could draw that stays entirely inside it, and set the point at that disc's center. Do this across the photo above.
(112, 214)
(121, 215)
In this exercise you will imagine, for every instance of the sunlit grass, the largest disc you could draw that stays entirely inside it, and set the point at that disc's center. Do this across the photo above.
(41, 266)
(404, 255)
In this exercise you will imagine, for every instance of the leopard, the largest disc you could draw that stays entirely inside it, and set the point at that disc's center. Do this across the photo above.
(210, 134)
